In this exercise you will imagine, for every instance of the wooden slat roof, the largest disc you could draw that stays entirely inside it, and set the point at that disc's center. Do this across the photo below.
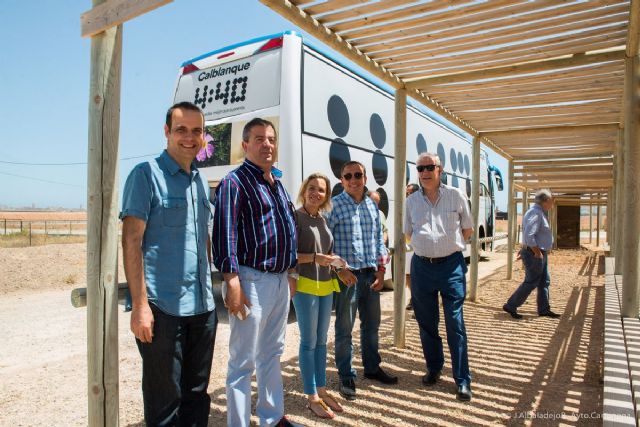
(536, 80)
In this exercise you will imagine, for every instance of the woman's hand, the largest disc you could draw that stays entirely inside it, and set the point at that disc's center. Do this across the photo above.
(325, 260)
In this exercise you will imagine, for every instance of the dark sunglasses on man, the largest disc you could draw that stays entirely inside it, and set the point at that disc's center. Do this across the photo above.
(422, 168)
(357, 175)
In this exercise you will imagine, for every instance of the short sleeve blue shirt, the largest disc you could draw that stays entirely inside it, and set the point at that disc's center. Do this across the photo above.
(176, 208)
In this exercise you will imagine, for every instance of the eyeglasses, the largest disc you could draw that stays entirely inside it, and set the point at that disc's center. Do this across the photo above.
(357, 175)
(422, 168)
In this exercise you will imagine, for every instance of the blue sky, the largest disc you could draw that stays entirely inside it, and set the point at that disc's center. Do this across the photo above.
(44, 87)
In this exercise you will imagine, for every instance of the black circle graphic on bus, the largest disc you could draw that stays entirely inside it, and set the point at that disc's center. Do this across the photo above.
(337, 189)
(468, 184)
(441, 154)
(338, 115)
(454, 181)
(377, 130)
(454, 160)
(467, 168)
(379, 166)
(384, 201)
(460, 162)
(338, 156)
(421, 144)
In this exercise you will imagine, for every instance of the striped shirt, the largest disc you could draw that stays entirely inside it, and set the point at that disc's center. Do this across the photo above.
(436, 229)
(535, 229)
(357, 232)
(253, 223)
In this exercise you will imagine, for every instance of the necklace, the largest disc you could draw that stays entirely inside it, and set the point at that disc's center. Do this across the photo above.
(309, 213)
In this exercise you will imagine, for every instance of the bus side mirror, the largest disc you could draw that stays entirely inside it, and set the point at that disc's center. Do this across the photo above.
(499, 182)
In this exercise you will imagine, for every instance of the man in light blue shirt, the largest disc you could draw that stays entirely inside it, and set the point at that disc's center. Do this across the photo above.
(165, 240)
(357, 233)
(537, 240)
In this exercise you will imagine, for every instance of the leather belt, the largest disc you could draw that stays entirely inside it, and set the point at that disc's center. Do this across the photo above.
(364, 270)
(437, 260)
(531, 250)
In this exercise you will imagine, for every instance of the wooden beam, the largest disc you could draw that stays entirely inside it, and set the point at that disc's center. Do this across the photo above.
(507, 16)
(446, 19)
(563, 169)
(102, 227)
(407, 13)
(511, 217)
(594, 36)
(597, 127)
(554, 162)
(618, 184)
(115, 12)
(633, 39)
(631, 217)
(524, 68)
(400, 163)
(325, 35)
(464, 39)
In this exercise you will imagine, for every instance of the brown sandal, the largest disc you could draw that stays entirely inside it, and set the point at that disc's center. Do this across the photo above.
(320, 409)
(331, 402)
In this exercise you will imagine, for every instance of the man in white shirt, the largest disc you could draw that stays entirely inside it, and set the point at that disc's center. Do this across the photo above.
(438, 223)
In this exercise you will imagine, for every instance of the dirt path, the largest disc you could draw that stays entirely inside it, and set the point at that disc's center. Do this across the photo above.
(536, 367)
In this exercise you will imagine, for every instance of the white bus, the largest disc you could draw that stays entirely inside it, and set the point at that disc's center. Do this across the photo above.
(326, 113)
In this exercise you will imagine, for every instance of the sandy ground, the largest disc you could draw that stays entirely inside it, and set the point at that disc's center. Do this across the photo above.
(537, 371)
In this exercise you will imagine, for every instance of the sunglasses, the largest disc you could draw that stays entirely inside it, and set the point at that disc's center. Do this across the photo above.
(357, 175)
(422, 168)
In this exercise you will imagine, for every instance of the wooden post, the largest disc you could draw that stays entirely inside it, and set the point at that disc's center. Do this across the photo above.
(399, 244)
(511, 215)
(620, 199)
(608, 216)
(590, 218)
(598, 222)
(631, 216)
(102, 227)
(475, 210)
(554, 225)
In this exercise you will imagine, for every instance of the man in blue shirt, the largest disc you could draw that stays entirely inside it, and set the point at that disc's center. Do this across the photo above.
(255, 247)
(165, 240)
(357, 232)
(537, 240)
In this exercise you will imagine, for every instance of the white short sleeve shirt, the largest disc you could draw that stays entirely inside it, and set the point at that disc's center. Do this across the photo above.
(436, 229)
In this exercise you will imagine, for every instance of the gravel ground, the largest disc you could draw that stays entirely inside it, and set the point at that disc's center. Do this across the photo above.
(536, 371)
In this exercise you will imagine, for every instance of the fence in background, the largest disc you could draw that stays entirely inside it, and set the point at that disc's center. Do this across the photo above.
(17, 232)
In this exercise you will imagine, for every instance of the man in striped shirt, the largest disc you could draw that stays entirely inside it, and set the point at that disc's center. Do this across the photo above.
(254, 246)
(438, 223)
(357, 233)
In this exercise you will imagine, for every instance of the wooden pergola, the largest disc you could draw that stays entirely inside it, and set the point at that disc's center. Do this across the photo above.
(551, 86)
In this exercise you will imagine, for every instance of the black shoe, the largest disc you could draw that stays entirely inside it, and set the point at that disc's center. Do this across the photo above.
(513, 313)
(464, 393)
(550, 314)
(431, 378)
(382, 376)
(347, 388)
(284, 422)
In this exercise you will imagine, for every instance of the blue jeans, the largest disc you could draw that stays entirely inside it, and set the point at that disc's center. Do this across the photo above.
(257, 343)
(366, 301)
(176, 366)
(536, 275)
(314, 314)
(447, 279)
